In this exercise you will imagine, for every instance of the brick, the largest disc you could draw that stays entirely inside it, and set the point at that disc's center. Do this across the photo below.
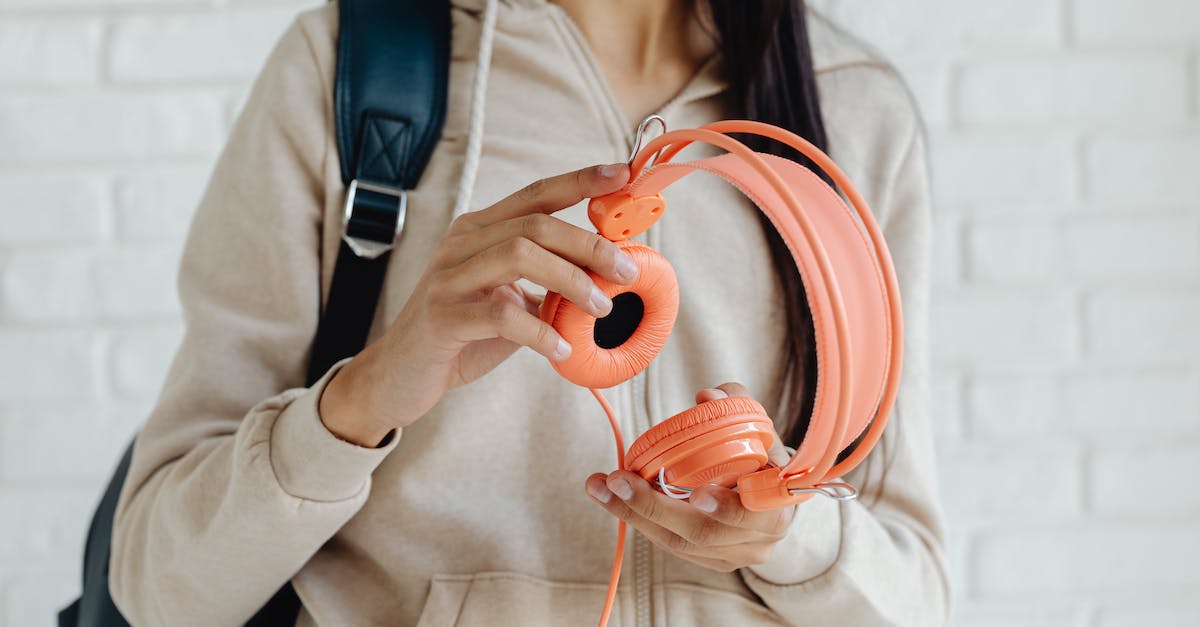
(83, 4)
(946, 406)
(1006, 615)
(1143, 616)
(1122, 563)
(44, 522)
(46, 365)
(1012, 251)
(1074, 88)
(46, 286)
(57, 442)
(999, 327)
(128, 283)
(927, 77)
(116, 126)
(1150, 325)
(1147, 482)
(228, 45)
(141, 358)
(1010, 474)
(949, 25)
(1154, 22)
(1011, 407)
(1142, 172)
(137, 284)
(1100, 406)
(158, 206)
(1154, 248)
(947, 246)
(989, 169)
(49, 52)
(39, 592)
(958, 555)
(51, 208)
(1196, 84)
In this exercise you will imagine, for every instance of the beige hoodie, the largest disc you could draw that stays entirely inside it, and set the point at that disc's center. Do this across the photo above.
(476, 514)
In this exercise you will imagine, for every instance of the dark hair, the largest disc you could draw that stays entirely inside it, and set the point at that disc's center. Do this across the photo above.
(769, 67)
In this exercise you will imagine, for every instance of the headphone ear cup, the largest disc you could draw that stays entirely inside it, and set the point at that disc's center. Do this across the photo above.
(610, 350)
(717, 441)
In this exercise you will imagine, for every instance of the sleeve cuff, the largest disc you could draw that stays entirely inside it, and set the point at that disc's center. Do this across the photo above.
(310, 462)
(811, 546)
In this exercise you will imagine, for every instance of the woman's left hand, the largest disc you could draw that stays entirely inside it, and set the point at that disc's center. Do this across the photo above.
(712, 528)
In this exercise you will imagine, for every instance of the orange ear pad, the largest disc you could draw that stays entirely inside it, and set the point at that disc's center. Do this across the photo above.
(609, 350)
(714, 442)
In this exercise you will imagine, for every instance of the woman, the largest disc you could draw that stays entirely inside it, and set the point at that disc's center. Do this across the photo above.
(439, 477)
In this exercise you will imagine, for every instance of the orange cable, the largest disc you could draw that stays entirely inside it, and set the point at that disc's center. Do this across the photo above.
(619, 557)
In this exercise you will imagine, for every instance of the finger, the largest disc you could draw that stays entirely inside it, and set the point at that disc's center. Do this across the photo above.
(521, 258)
(501, 317)
(533, 301)
(734, 389)
(581, 247)
(709, 394)
(724, 505)
(518, 296)
(636, 495)
(721, 558)
(778, 454)
(552, 194)
(512, 293)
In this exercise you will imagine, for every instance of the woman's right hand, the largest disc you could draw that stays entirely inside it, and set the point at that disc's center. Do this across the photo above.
(467, 314)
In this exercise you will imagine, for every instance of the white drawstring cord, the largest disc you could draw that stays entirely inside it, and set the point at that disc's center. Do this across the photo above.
(466, 183)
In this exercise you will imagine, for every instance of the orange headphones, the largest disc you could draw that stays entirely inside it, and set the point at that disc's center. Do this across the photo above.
(851, 289)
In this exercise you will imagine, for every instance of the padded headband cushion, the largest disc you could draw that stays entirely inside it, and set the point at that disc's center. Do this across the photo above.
(857, 277)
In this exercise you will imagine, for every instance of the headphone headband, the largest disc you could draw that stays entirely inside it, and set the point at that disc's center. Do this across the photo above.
(783, 189)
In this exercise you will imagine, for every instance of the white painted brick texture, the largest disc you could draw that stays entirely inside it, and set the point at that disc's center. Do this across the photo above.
(1065, 151)
(1065, 145)
(47, 52)
(111, 113)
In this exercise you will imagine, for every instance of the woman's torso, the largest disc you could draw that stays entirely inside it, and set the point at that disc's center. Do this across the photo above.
(479, 515)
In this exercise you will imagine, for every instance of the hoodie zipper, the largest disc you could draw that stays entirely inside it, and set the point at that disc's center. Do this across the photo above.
(641, 547)
(638, 419)
(639, 416)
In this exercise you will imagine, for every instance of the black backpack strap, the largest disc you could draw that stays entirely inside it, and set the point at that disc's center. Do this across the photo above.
(390, 103)
(390, 99)
(95, 607)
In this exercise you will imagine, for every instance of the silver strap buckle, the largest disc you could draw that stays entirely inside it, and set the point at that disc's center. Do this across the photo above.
(370, 248)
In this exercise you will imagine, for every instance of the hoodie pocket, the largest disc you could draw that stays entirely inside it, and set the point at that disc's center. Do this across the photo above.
(689, 604)
(505, 598)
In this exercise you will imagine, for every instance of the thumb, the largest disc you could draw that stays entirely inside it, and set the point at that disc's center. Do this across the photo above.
(778, 453)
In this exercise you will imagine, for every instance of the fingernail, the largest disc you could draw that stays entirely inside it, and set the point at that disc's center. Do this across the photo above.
(705, 502)
(610, 170)
(599, 492)
(563, 350)
(622, 489)
(600, 302)
(627, 270)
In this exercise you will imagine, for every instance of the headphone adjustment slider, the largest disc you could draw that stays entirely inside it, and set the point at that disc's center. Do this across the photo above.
(619, 216)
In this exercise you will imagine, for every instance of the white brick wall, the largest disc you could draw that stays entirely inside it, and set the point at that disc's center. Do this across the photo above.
(1065, 142)
(111, 113)
(1066, 163)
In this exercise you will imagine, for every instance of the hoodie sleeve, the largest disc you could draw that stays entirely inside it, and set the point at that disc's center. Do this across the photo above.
(235, 482)
(879, 560)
